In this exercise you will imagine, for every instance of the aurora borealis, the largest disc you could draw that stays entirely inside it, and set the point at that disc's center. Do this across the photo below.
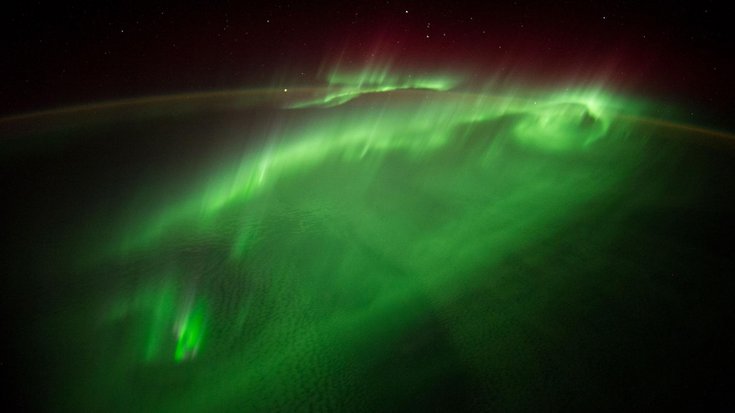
(389, 232)
(295, 267)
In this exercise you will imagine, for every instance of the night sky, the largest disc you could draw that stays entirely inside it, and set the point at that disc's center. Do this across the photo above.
(59, 54)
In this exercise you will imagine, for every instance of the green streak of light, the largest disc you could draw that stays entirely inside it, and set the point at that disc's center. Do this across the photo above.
(190, 333)
(345, 86)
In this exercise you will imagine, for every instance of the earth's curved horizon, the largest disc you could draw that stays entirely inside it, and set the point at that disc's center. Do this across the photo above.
(277, 97)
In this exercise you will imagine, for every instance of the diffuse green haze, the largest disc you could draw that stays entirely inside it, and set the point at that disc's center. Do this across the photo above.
(293, 278)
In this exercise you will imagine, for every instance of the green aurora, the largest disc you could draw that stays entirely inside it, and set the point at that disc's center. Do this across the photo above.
(385, 242)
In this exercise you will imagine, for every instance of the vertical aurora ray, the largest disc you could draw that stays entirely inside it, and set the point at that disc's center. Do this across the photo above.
(345, 85)
(190, 332)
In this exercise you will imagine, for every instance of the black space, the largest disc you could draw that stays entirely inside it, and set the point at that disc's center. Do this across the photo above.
(62, 53)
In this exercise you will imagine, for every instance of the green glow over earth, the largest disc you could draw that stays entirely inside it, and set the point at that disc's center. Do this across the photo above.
(387, 242)
(365, 136)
